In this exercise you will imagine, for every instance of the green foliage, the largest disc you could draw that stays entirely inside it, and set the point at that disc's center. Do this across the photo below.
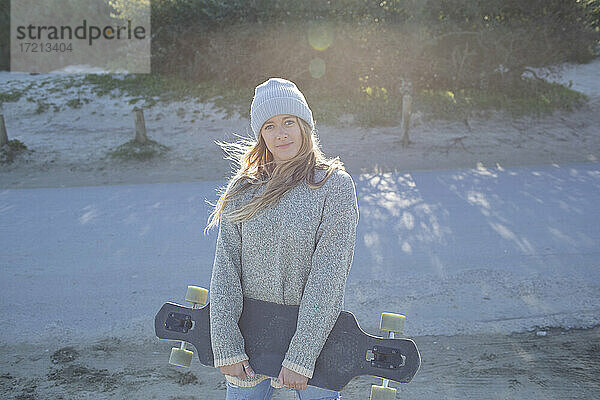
(434, 44)
(537, 32)
(529, 97)
(571, 28)
(375, 106)
(42, 106)
(218, 50)
(371, 105)
(159, 87)
(17, 145)
(60, 86)
(592, 8)
(10, 96)
(134, 150)
(10, 151)
(76, 103)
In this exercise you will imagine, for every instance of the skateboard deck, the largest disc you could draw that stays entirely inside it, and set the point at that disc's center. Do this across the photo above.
(268, 328)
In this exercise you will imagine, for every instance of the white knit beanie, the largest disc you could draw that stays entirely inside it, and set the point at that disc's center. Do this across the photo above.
(277, 96)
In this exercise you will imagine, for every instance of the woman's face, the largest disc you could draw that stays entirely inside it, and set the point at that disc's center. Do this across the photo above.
(282, 135)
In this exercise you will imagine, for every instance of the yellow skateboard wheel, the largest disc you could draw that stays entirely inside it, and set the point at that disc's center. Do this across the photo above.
(382, 393)
(181, 357)
(392, 322)
(196, 295)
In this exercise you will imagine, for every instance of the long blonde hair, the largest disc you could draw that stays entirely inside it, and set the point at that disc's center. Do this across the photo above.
(257, 167)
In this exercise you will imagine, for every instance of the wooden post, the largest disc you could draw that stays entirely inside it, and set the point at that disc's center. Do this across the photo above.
(406, 111)
(3, 134)
(140, 126)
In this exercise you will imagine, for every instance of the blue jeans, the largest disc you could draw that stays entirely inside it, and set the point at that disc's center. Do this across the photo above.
(264, 391)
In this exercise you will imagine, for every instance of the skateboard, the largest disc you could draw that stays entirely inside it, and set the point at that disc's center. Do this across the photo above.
(268, 328)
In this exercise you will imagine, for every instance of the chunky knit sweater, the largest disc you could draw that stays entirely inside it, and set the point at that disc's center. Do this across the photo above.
(297, 252)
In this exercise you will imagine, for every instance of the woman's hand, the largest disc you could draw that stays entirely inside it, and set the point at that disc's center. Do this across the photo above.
(292, 380)
(241, 370)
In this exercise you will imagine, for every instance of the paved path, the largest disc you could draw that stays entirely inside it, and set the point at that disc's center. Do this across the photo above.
(479, 250)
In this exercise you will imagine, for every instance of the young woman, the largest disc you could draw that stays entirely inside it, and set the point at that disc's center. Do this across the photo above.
(287, 229)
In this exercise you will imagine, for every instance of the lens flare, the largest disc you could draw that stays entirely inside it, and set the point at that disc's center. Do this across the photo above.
(320, 36)
(317, 67)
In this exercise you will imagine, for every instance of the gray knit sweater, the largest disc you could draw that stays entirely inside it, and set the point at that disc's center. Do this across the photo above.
(297, 252)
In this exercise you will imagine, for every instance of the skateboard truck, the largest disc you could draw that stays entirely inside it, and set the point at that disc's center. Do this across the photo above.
(178, 322)
(385, 357)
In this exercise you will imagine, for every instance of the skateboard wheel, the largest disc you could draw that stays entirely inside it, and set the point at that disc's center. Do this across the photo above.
(382, 393)
(181, 357)
(392, 322)
(196, 295)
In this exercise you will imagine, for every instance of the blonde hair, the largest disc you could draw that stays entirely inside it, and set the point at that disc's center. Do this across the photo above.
(257, 167)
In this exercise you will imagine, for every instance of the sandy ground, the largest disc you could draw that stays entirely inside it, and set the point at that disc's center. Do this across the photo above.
(70, 148)
(548, 364)
(80, 161)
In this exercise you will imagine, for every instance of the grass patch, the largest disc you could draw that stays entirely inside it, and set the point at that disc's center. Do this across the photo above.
(11, 150)
(528, 97)
(372, 106)
(54, 90)
(77, 103)
(379, 108)
(74, 103)
(72, 82)
(11, 96)
(42, 106)
(154, 88)
(134, 150)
